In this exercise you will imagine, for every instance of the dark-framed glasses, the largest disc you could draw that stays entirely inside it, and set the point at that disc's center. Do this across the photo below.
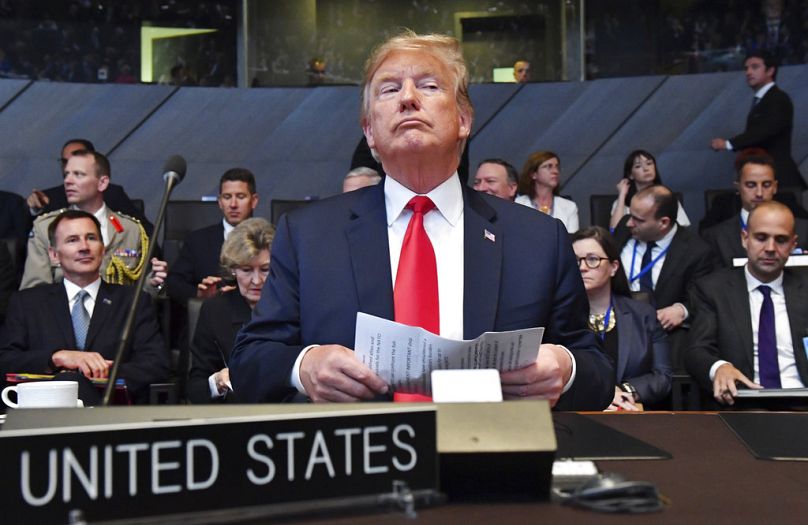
(592, 261)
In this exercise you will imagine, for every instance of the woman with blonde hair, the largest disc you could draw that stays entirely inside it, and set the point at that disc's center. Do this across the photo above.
(245, 256)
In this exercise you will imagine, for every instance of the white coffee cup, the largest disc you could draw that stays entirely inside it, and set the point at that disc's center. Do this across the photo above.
(44, 394)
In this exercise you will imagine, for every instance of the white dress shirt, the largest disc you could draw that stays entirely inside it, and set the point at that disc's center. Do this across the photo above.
(789, 376)
(629, 253)
(73, 290)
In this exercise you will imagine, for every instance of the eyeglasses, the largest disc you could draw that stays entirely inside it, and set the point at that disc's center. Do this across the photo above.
(592, 261)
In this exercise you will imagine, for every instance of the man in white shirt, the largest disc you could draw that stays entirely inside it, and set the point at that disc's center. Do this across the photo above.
(770, 120)
(498, 266)
(750, 323)
(75, 325)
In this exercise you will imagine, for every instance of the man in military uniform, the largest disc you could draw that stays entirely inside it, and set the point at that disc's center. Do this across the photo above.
(86, 177)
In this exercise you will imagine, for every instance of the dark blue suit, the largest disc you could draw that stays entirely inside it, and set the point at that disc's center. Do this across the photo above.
(331, 260)
(644, 355)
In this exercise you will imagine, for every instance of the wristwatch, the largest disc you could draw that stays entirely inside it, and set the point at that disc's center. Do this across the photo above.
(628, 389)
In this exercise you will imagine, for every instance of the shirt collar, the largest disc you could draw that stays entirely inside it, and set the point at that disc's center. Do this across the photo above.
(765, 89)
(752, 282)
(744, 215)
(72, 289)
(665, 241)
(227, 228)
(448, 199)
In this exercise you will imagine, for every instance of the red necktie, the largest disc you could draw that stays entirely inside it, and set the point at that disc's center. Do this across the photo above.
(416, 292)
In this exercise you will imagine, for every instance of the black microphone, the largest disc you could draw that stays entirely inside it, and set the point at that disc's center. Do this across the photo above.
(173, 173)
(174, 169)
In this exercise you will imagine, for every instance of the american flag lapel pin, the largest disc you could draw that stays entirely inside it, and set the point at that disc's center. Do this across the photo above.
(489, 236)
(106, 300)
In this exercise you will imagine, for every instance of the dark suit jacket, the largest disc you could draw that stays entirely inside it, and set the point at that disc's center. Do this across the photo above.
(15, 218)
(725, 238)
(198, 259)
(688, 258)
(644, 355)
(39, 324)
(115, 198)
(722, 326)
(219, 321)
(331, 260)
(8, 280)
(769, 126)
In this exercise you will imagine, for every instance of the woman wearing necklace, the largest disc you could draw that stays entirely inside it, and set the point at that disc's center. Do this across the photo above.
(639, 172)
(538, 188)
(628, 329)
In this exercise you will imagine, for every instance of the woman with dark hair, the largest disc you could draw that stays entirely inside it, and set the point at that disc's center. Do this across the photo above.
(639, 172)
(628, 329)
(538, 188)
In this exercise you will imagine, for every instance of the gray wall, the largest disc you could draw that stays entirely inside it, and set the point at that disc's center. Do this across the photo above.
(299, 141)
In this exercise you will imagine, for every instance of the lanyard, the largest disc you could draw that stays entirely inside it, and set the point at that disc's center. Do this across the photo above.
(743, 224)
(650, 265)
(602, 334)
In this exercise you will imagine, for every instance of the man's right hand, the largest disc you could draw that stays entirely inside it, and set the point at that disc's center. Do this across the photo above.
(332, 373)
(91, 364)
(37, 200)
(724, 389)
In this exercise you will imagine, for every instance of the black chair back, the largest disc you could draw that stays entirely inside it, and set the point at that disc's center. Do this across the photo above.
(600, 210)
(183, 217)
(280, 206)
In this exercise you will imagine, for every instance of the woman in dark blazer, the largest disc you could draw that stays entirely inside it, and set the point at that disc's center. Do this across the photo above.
(628, 329)
(245, 256)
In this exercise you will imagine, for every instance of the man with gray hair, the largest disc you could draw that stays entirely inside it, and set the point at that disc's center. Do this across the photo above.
(359, 178)
(422, 249)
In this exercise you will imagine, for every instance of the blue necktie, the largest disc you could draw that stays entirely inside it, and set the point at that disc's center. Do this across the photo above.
(768, 366)
(81, 319)
(647, 279)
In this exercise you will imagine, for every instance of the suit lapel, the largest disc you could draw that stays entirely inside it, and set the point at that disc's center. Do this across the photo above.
(797, 306)
(672, 258)
(741, 316)
(104, 304)
(625, 338)
(482, 266)
(370, 253)
(60, 311)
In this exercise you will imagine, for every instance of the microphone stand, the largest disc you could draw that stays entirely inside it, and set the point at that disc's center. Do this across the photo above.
(171, 180)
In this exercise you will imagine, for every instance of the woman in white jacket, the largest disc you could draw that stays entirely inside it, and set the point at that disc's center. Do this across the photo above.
(538, 188)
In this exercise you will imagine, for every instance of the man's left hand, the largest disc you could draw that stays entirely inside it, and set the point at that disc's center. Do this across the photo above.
(671, 317)
(544, 379)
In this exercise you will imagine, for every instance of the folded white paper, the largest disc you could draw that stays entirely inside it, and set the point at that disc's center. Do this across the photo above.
(404, 356)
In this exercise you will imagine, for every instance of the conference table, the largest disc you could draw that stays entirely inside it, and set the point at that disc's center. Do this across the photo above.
(712, 478)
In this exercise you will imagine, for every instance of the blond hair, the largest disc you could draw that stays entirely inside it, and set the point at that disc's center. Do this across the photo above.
(245, 242)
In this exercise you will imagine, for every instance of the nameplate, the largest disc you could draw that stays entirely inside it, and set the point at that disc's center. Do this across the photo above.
(135, 470)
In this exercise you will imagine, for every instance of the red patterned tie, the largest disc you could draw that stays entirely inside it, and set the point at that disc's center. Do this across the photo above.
(416, 292)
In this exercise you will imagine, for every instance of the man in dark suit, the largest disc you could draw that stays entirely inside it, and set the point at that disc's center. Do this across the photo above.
(196, 273)
(52, 199)
(494, 266)
(75, 325)
(676, 259)
(733, 338)
(756, 184)
(770, 120)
